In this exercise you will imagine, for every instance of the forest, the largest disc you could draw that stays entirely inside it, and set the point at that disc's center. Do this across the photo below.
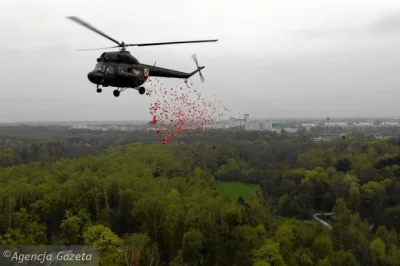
(125, 193)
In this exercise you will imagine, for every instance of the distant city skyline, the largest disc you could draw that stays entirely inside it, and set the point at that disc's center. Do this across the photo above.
(332, 119)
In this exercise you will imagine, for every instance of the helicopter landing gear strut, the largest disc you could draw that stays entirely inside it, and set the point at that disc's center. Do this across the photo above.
(118, 91)
(98, 89)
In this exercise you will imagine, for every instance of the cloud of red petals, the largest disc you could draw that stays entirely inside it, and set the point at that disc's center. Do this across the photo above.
(180, 108)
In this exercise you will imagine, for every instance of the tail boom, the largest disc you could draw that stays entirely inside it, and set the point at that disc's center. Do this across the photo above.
(194, 72)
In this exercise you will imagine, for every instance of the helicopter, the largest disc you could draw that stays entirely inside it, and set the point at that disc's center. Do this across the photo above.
(123, 71)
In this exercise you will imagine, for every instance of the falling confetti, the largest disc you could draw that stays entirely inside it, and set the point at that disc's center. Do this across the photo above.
(180, 109)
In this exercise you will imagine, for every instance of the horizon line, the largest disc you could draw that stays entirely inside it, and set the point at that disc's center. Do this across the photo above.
(251, 118)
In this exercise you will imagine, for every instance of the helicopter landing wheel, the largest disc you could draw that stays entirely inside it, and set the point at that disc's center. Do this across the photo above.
(142, 90)
(116, 93)
(99, 90)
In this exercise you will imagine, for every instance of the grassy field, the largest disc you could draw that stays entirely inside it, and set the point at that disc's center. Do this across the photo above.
(236, 189)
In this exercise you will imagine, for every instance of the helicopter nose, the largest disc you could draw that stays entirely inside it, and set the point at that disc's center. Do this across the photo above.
(95, 77)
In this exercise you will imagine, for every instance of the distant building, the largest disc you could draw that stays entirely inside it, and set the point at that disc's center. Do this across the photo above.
(216, 126)
(337, 124)
(392, 124)
(308, 126)
(364, 124)
(80, 126)
(290, 130)
(155, 129)
(252, 126)
(329, 137)
(269, 126)
(236, 121)
(378, 136)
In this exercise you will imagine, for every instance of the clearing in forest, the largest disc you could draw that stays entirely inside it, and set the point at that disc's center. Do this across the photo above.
(236, 189)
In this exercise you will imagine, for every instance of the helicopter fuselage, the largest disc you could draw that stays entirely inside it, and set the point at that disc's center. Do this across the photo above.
(118, 75)
(118, 69)
(122, 70)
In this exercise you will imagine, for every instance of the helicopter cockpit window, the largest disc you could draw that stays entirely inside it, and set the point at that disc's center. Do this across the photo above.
(110, 70)
(98, 67)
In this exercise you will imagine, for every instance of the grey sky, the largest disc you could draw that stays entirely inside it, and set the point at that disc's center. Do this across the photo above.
(273, 59)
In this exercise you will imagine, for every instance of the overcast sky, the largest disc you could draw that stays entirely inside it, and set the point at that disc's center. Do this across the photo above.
(308, 58)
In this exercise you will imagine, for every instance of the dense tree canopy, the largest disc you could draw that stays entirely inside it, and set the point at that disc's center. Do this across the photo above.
(162, 200)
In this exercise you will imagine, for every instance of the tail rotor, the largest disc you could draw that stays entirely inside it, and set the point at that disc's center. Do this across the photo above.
(194, 57)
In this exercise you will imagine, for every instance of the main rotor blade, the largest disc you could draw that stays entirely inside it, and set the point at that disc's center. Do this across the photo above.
(83, 23)
(167, 43)
(96, 48)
